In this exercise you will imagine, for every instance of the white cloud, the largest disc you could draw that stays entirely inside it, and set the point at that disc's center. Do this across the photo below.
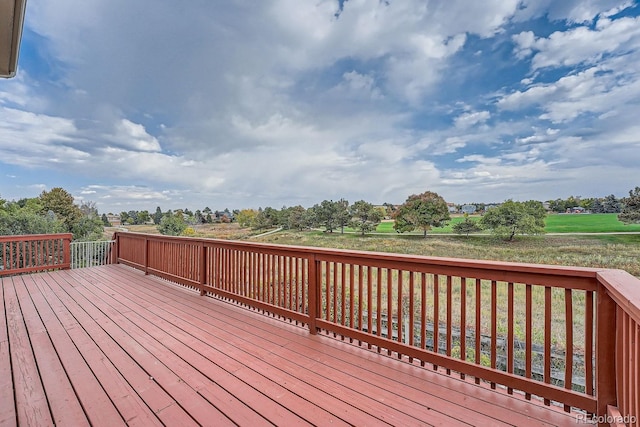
(358, 86)
(574, 11)
(285, 101)
(581, 44)
(134, 136)
(467, 120)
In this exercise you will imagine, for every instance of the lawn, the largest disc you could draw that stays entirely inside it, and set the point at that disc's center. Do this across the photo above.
(555, 223)
(587, 223)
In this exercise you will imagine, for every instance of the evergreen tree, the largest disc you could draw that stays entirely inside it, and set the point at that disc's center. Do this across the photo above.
(326, 215)
(364, 217)
(157, 216)
(596, 206)
(631, 212)
(467, 226)
(611, 204)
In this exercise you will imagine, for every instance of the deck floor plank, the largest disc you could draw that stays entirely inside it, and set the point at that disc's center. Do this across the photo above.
(7, 402)
(63, 403)
(172, 353)
(159, 353)
(30, 398)
(484, 413)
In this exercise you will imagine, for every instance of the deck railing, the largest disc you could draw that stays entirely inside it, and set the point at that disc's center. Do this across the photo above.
(566, 335)
(31, 253)
(92, 254)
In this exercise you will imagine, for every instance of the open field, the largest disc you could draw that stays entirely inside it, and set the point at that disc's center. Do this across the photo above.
(606, 251)
(218, 231)
(611, 251)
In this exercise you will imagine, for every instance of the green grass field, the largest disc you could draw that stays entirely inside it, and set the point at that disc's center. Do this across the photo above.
(587, 223)
(555, 223)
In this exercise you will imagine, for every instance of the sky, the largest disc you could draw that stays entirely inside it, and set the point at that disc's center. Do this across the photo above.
(246, 104)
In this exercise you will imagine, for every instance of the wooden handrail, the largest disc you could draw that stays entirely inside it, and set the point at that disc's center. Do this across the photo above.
(37, 252)
(472, 317)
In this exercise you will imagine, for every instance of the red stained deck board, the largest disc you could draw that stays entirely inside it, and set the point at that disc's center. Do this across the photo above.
(173, 292)
(64, 406)
(30, 397)
(226, 402)
(7, 403)
(484, 411)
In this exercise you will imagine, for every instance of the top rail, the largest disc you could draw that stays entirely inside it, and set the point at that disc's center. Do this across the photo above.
(568, 335)
(30, 253)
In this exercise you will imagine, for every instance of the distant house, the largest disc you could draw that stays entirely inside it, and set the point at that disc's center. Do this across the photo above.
(114, 220)
(576, 209)
(452, 208)
(468, 209)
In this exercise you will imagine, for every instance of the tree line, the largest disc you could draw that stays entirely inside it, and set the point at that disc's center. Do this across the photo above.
(608, 204)
(419, 212)
(55, 211)
(52, 211)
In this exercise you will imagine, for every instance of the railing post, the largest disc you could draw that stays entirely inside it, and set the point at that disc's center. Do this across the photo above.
(605, 351)
(116, 248)
(203, 267)
(314, 292)
(66, 257)
(146, 256)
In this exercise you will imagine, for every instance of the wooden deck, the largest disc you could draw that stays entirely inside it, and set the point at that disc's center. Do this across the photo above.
(110, 346)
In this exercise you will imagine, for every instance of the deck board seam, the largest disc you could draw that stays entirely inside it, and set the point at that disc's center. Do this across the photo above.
(11, 413)
(195, 368)
(86, 305)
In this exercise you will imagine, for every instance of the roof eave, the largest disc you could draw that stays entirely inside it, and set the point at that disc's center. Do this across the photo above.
(11, 24)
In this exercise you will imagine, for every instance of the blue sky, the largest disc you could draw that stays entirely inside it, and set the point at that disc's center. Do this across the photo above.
(241, 104)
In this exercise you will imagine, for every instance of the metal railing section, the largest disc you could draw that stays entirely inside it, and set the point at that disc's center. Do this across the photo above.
(92, 254)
